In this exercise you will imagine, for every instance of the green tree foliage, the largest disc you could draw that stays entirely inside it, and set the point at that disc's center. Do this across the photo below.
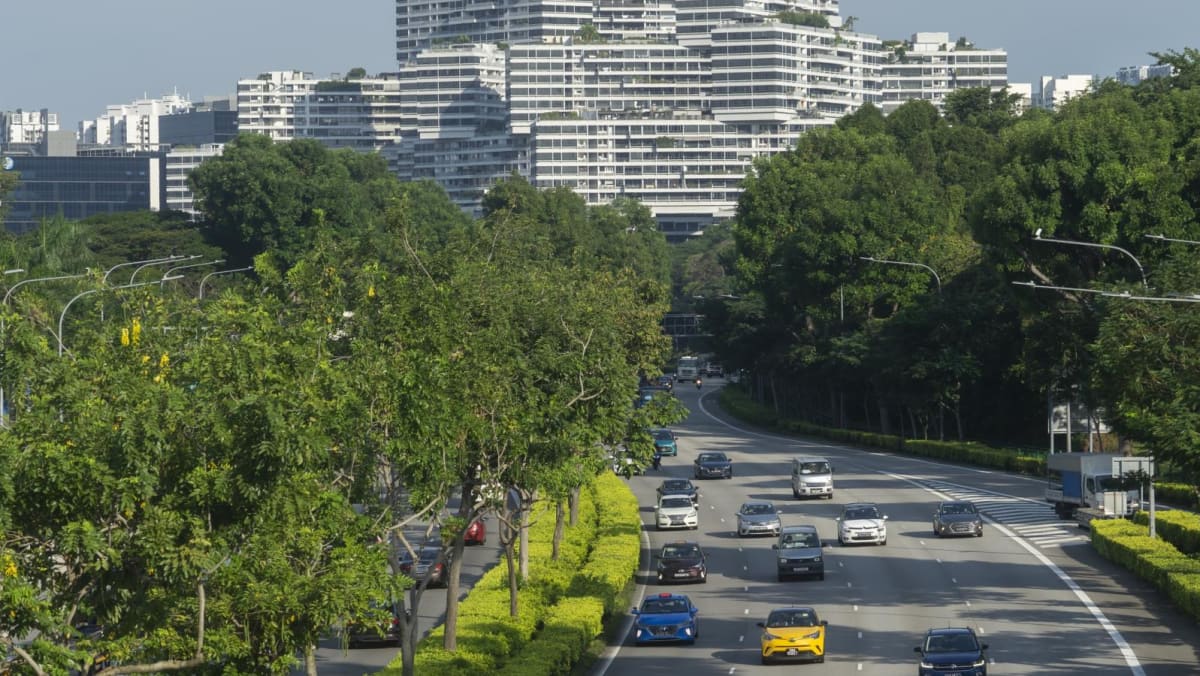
(811, 19)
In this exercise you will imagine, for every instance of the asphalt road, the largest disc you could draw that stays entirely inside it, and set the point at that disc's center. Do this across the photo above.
(334, 660)
(1032, 587)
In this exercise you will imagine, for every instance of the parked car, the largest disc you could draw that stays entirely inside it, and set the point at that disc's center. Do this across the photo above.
(682, 487)
(676, 511)
(758, 517)
(862, 522)
(952, 650)
(712, 465)
(476, 533)
(799, 553)
(682, 562)
(665, 442)
(793, 634)
(386, 631)
(666, 617)
(426, 565)
(957, 517)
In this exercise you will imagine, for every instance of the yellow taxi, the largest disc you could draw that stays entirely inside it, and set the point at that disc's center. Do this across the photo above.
(793, 634)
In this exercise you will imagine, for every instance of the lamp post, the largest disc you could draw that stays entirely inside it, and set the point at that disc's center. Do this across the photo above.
(1161, 238)
(149, 263)
(62, 317)
(220, 272)
(933, 272)
(1037, 235)
(168, 259)
(185, 267)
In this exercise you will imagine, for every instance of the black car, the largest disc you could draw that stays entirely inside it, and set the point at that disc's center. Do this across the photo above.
(679, 487)
(665, 381)
(385, 630)
(952, 650)
(682, 562)
(426, 565)
(957, 517)
(713, 465)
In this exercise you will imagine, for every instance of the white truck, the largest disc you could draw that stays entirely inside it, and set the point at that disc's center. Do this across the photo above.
(688, 369)
(1087, 486)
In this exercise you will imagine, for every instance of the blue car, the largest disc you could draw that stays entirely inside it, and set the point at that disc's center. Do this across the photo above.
(952, 650)
(666, 617)
(664, 442)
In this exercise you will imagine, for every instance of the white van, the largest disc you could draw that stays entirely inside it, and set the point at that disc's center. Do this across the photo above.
(812, 475)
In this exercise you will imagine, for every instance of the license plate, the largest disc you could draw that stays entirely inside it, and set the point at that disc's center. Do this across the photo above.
(792, 651)
(799, 569)
(681, 574)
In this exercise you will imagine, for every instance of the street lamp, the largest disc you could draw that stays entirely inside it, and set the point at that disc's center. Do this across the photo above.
(1037, 235)
(220, 272)
(933, 272)
(62, 317)
(149, 263)
(185, 267)
(173, 257)
(1161, 238)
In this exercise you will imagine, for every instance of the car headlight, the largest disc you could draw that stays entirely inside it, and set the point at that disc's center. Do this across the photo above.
(815, 634)
(979, 662)
(817, 560)
(687, 631)
(925, 664)
(768, 636)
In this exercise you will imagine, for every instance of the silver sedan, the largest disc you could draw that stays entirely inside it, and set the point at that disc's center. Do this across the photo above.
(758, 517)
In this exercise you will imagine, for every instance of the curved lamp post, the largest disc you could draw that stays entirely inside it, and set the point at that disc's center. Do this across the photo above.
(185, 267)
(167, 259)
(148, 264)
(1161, 238)
(1037, 235)
(933, 272)
(62, 317)
(220, 272)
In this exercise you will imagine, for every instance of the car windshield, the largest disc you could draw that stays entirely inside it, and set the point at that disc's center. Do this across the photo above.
(814, 468)
(799, 541)
(862, 513)
(675, 605)
(757, 508)
(675, 503)
(951, 643)
(429, 555)
(676, 485)
(662, 435)
(792, 618)
(712, 457)
(680, 551)
(958, 508)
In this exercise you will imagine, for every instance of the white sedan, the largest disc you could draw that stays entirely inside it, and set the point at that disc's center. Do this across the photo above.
(676, 511)
(861, 523)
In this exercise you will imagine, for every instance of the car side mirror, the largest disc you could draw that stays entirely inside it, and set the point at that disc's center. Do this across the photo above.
(824, 544)
(775, 546)
(983, 646)
(917, 649)
(634, 611)
(824, 623)
(761, 624)
(694, 610)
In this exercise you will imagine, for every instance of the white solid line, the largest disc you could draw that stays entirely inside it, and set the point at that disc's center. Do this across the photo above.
(860, 635)
(954, 580)
(611, 652)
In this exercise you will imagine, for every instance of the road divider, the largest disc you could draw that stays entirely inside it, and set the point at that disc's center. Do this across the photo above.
(1152, 559)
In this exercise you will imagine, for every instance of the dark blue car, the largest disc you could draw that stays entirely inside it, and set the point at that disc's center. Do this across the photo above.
(952, 650)
(666, 617)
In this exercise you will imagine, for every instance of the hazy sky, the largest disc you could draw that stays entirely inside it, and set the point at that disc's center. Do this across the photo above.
(75, 56)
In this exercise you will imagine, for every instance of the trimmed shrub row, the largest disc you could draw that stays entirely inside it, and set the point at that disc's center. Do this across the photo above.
(1182, 496)
(1152, 559)
(739, 404)
(1181, 529)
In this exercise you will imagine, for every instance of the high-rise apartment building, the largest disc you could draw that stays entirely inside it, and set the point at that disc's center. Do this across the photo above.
(929, 66)
(1056, 91)
(133, 126)
(26, 127)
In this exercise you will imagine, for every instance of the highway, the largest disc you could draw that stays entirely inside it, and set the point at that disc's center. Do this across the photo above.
(1032, 586)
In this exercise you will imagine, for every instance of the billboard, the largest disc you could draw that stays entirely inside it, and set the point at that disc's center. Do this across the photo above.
(1083, 421)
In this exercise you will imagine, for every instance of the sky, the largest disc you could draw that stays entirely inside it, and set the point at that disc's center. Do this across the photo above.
(75, 57)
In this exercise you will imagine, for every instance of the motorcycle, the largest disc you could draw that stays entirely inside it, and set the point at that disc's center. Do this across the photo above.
(698, 383)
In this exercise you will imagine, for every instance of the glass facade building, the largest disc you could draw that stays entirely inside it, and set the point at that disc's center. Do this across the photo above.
(78, 187)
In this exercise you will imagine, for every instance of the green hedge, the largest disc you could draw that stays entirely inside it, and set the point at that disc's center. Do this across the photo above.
(1181, 529)
(1157, 561)
(564, 604)
(1183, 496)
(739, 404)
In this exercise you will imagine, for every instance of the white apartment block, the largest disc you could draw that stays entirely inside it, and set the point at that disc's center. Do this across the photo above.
(421, 24)
(1058, 90)
(697, 19)
(177, 166)
(454, 91)
(929, 66)
(26, 126)
(1133, 75)
(284, 105)
(133, 126)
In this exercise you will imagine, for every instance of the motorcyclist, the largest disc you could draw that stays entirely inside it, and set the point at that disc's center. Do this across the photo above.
(698, 383)
(656, 461)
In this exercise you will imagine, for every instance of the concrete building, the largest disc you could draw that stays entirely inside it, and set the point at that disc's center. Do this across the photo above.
(929, 66)
(78, 187)
(26, 126)
(1055, 91)
(177, 165)
(1134, 75)
(132, 125)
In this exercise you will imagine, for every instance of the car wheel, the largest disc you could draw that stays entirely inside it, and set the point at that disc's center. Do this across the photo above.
(795, 494)
(820, 576)
(883, 542)
(765, 660)
(782, 577)
(821, 659)
(979, 534)
(829, 496)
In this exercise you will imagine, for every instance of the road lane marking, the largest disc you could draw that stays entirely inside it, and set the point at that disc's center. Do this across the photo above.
(954, 580)
(856, 607)
(741, 639)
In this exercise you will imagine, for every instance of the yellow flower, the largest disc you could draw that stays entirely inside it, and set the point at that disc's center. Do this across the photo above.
(164, 361)
(137, 330)
(124, 337)
(371, 291)
(10, 567)
(145, 359)
(158, 378)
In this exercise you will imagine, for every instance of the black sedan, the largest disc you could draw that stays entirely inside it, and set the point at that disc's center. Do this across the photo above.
(679, 487)
(682, 562)
(957, 517)
(713, 465)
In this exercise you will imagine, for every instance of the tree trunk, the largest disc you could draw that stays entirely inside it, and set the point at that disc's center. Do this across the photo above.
(941, 421)
(573, 501)
(774, 395)
(559, 524)
(524, 552)
(310, 660)
(512, 578)
(958, 418)
(866, 404)
(832, 407)
(842, 409)
(885, 418)
(408, 633)
(453, 584)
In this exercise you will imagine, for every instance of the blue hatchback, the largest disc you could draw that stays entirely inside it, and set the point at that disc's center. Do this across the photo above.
(952, 650)
(666, 617)
(664, 442)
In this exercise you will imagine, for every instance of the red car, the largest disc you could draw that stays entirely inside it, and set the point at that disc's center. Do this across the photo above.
(476, 533)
